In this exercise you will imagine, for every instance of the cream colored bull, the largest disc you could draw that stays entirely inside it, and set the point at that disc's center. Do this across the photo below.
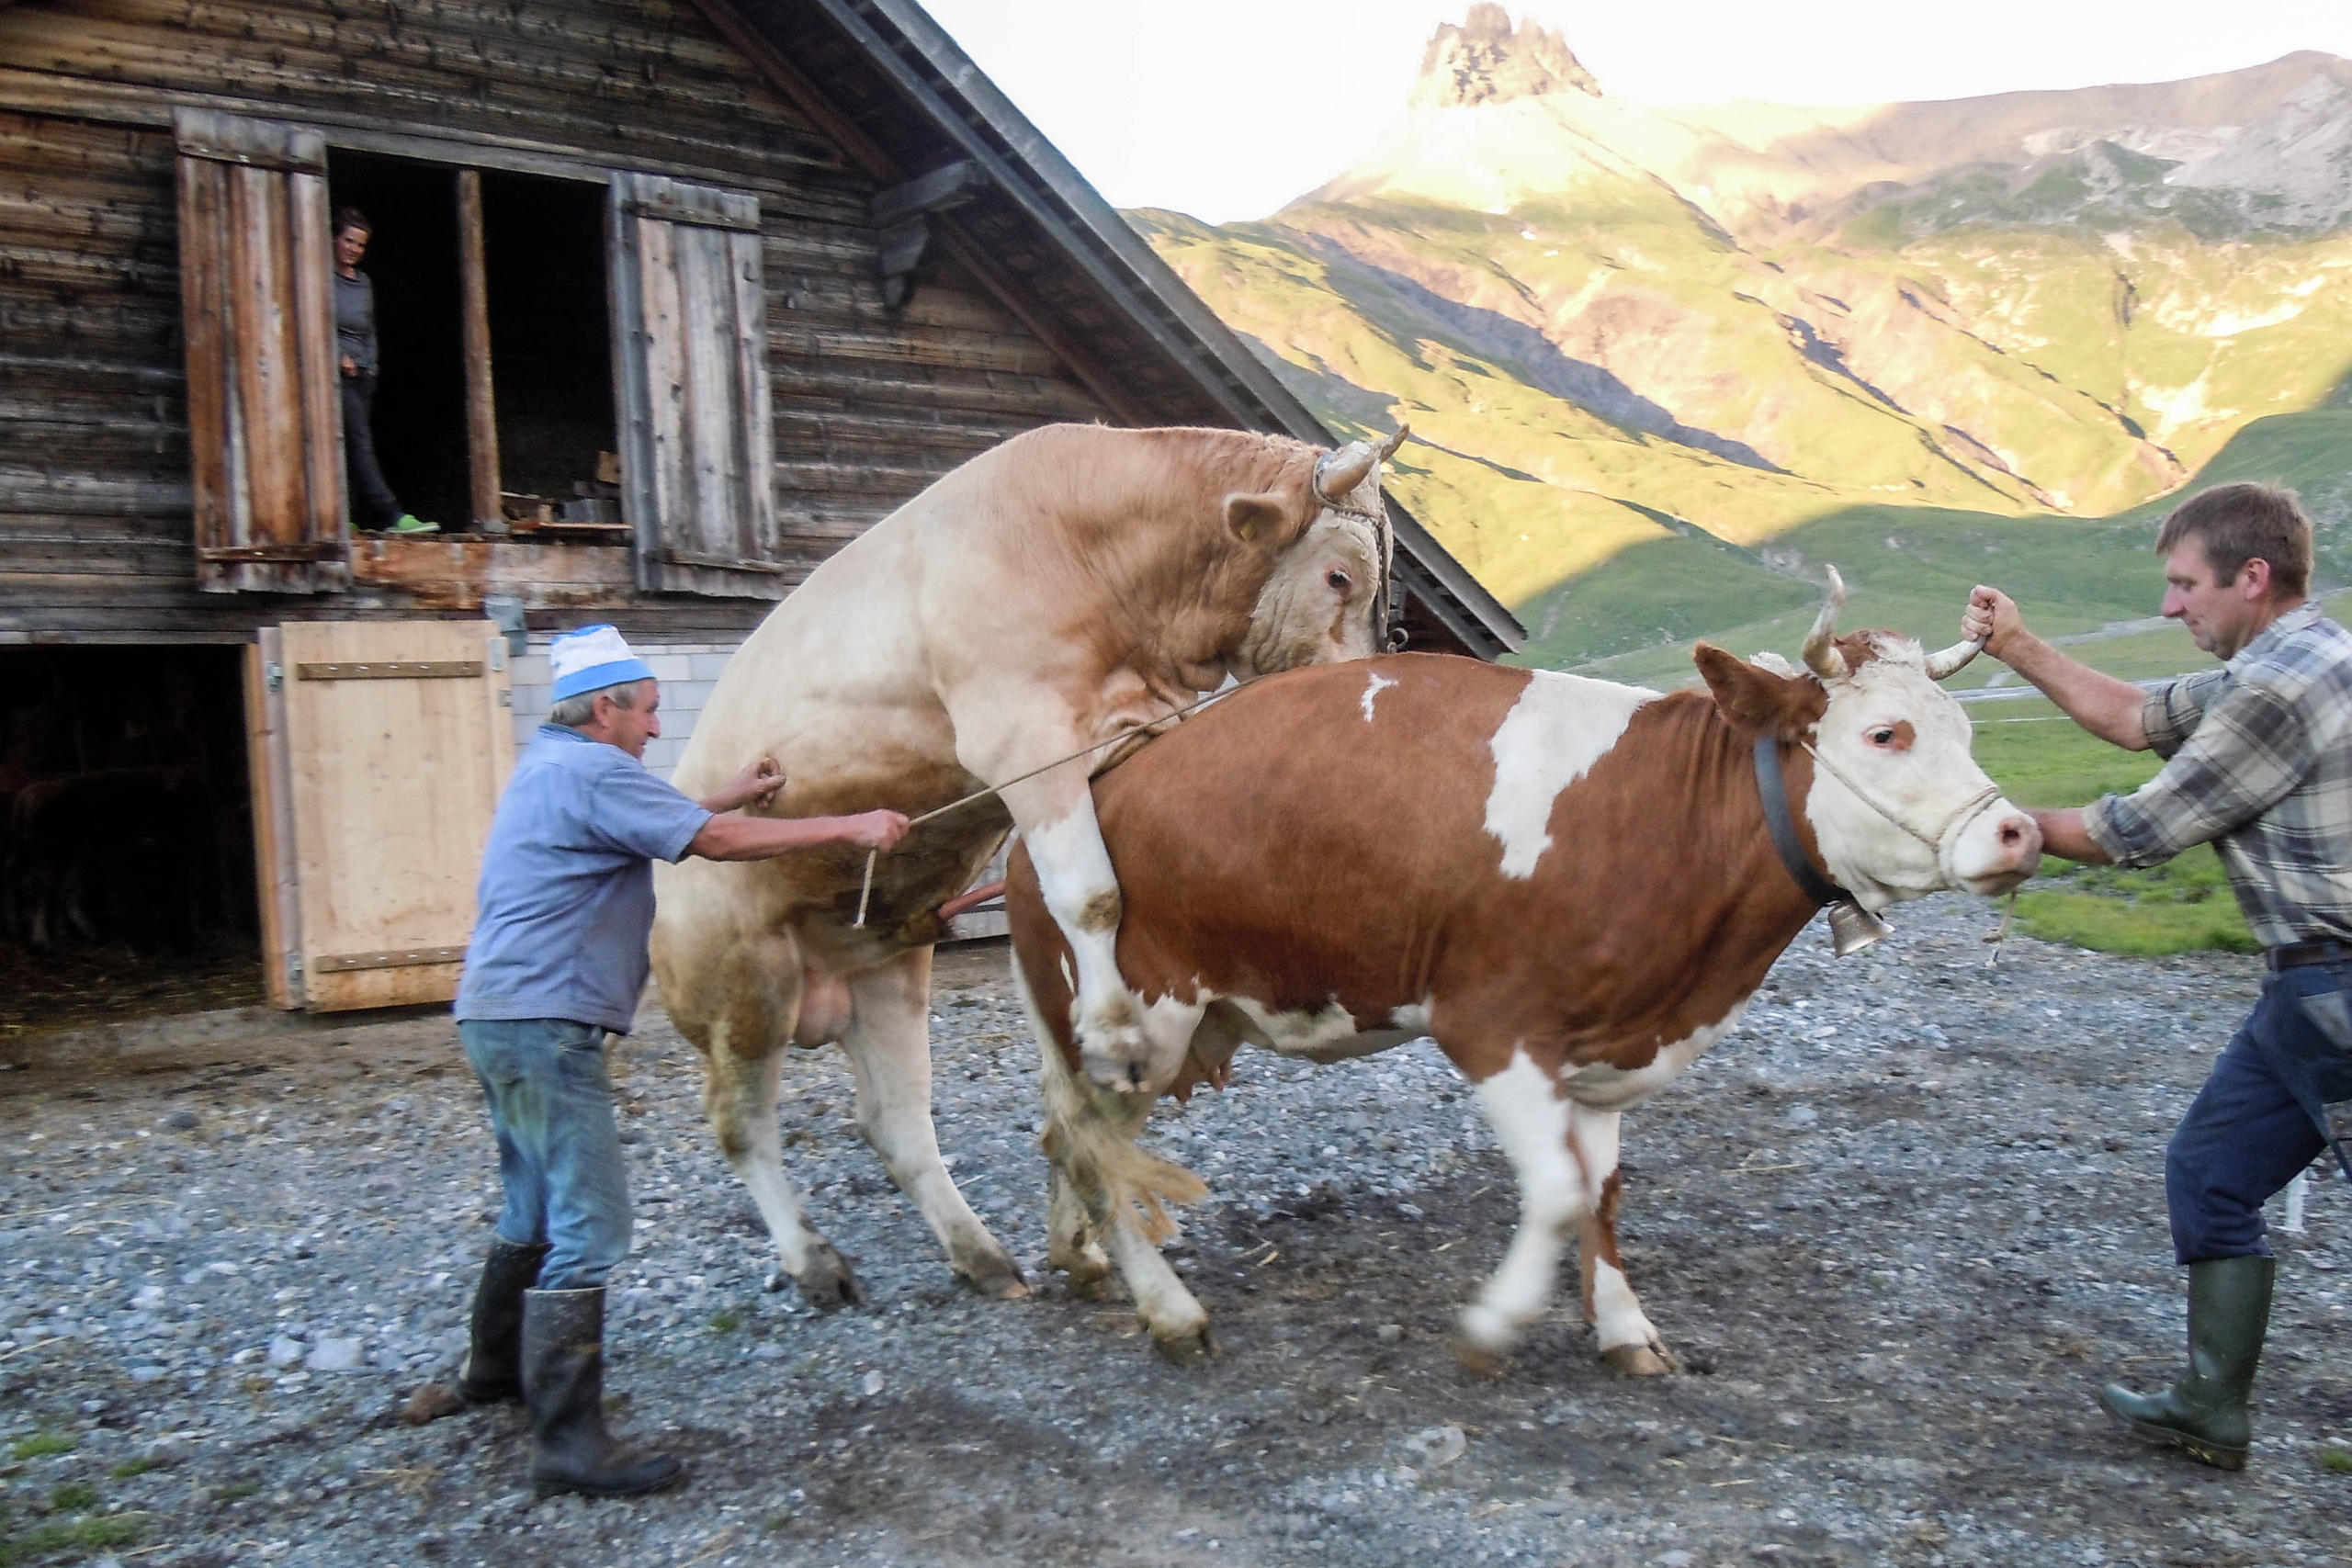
(1071, 586)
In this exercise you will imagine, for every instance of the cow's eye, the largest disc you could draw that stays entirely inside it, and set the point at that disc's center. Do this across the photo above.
(1882, 736)
(1337, 579)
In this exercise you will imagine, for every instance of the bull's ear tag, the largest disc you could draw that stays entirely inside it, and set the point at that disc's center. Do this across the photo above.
(1853, 928)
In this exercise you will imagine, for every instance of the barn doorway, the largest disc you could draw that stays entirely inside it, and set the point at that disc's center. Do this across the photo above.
(543, 465)
(126, 834)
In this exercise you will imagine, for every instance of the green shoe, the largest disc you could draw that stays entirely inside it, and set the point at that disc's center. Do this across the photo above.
(2205, 1411)
(410, 523)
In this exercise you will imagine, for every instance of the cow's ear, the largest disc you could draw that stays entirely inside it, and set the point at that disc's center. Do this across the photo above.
(1261, 520)
(1755, 699)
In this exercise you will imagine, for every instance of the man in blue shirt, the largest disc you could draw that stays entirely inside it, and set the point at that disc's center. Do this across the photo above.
(558, 959)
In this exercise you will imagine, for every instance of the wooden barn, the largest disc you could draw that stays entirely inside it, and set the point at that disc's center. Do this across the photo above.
(674, 298)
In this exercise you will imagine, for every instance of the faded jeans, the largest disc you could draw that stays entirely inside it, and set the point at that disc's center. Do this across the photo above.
(2279, 1096)
(558, 1150)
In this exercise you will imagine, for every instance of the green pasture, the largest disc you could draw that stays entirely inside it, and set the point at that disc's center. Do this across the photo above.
(2040, 758)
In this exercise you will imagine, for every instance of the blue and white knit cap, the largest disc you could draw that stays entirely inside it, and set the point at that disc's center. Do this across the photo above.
(592, 659)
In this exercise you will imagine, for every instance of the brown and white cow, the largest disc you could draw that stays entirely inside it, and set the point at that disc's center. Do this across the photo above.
(1073, 585)
(1569, 884)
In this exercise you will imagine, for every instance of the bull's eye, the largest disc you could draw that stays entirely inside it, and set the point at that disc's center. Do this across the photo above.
(1882, 736)
(1339, 581)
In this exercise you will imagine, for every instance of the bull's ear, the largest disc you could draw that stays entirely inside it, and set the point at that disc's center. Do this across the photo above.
(1758, 699)
(1259, 520)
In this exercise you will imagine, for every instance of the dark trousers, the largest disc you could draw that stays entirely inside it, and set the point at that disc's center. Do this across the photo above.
(2263, 1114)
(370, 495)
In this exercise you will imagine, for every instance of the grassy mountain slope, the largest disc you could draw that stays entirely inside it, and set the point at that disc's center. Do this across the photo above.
(1665, 363)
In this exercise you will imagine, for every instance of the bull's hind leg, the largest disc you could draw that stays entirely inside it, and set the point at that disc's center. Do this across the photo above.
(757, 995)
(888, 1042)
(1628, 1342)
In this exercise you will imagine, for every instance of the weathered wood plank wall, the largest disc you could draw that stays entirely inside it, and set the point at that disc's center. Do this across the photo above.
(868, 406)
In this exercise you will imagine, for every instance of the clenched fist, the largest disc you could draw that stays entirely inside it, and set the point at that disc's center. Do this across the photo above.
(1992, 618)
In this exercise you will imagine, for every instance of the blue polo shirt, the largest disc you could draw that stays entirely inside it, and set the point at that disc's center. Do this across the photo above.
(566, 898)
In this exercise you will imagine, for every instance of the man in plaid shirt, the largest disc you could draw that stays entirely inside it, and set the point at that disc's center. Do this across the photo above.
(2259, 764)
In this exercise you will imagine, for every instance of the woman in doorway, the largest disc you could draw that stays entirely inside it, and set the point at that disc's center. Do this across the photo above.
(354, 331)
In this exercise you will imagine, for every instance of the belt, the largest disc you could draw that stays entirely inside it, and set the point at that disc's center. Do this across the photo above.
(2295, 954)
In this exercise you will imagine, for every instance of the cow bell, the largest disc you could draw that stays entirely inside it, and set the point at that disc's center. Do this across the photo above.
(1853, 928)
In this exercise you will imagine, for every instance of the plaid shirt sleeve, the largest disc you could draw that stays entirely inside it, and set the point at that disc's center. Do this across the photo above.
(2242, 750)
(2172, 710)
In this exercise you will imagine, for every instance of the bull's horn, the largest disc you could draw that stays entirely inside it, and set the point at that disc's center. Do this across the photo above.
(1952, 660)
(1821, 655)
(1389, 447)
(1337, 473)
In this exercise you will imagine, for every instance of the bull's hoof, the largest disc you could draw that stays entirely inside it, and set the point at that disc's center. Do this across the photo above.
(827, 1284)
(1641, 1360)
(998, 1278)
(1185, 1348)
(1480, 1362)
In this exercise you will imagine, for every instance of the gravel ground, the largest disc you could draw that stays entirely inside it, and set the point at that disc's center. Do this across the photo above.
(1899, 1226)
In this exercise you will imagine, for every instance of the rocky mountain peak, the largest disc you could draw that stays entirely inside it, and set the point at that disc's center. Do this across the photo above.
(1487, 60)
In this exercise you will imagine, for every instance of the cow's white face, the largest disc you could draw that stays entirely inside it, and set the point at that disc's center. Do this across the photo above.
(1895, 736)
(1319, 605)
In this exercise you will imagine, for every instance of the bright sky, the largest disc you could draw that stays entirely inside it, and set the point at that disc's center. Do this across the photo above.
(1228, 108)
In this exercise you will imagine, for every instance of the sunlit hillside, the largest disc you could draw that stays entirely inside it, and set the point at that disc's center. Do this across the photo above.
(1666, 361)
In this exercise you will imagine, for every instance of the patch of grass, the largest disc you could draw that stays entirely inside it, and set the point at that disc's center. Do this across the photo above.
(80, 1536)
(236, 1490)
(2040, 758)
(134, 1467)
(73, 1497)
(2336, 1461)
(40, 1445)
(725, 1321)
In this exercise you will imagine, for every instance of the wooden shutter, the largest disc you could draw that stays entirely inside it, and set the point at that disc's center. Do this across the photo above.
(690, 360)
(379, 751)
(258, 304)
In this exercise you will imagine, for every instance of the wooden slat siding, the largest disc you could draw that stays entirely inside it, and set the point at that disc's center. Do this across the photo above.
(618, 91)
(89, 277)
(265, 427)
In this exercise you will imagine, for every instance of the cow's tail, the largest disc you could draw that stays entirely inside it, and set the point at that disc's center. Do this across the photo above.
(1091, 1137)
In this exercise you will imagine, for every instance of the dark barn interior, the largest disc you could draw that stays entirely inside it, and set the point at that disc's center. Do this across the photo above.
(126, 833)
(551, 343)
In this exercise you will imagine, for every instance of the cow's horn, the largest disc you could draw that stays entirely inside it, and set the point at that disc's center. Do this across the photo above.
(1337, 473)
(1952, 660)
(1821, 655)
(1389, 447)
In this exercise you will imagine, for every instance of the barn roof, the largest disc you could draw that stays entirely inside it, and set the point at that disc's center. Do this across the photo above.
(904, 101)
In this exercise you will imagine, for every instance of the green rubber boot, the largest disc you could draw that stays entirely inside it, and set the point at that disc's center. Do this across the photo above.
(409, 523)
(2205, 1411)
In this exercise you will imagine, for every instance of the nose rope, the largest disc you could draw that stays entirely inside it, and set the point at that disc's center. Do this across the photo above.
(865, 888)
(1968, 811)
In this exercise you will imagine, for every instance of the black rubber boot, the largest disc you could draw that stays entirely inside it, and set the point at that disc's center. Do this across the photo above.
(493, 1370)
(2205, 1411)
(563, 1375)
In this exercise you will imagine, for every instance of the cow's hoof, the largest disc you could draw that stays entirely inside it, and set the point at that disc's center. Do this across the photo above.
(1641, 1360)
(827, 1284)
(999, 1279)
(1184, 1349)
(1480, 1362)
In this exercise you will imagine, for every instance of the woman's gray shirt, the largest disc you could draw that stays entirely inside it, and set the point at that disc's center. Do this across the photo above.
(355, 321)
